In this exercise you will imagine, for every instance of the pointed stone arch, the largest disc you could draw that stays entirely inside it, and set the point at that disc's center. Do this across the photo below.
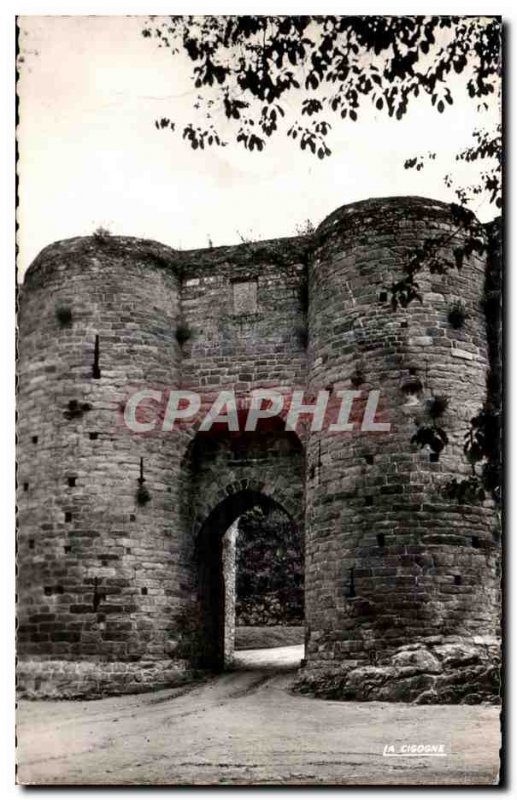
(268, 491)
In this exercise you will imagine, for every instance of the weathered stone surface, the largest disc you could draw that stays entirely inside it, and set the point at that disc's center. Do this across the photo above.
(453, 655)
(108, 576)
(420, 658)
(46, 680)
(414, 674)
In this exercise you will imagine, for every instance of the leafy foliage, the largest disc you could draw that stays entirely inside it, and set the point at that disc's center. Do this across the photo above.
(435, 255)
(482, 448)
(249, 69)
(457, 315)
(437, 406)
(488, 147)
(481, 438)
(183, 334)
(269, 579)
(101, 235)
(432, 436)
(64, 315)
(143, 495)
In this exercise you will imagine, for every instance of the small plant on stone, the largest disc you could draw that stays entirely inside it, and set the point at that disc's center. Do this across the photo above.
(143, 495)
(75, 409)
(64, 315)
(247, 238)
(357, 378)
(306, 228)
(183, 334)
(101, 235)
(432, 436)
(457, 315)
(437, 406)
(468, 490)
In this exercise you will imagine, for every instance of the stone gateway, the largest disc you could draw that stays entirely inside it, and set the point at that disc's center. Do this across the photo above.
(120, 534)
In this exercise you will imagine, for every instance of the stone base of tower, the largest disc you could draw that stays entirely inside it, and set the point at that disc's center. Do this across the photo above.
(87, 680)
(437, 670)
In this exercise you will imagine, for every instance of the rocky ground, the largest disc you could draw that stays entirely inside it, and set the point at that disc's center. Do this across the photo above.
(245, 727)
(436, 670)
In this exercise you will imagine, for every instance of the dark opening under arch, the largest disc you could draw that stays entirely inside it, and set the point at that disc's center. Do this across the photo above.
(209, 556)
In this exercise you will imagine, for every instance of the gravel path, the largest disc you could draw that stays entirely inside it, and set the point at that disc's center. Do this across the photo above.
(244, 727)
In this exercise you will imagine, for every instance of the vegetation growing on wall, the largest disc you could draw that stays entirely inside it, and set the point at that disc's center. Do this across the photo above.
(457, 315)
(483, 439)
(64, 315)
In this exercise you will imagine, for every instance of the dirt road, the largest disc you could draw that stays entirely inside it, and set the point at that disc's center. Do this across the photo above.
(244, 727)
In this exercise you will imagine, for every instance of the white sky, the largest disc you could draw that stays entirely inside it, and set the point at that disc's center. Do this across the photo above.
(90, 90)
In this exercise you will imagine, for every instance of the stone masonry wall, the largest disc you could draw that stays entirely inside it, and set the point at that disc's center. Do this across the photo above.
(98, 575)
(225, 475)
(390, 563)
(390, 560)
(258, 344)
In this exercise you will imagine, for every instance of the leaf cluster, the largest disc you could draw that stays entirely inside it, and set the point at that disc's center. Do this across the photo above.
(435, 255)
(432, 436)
(250, 69)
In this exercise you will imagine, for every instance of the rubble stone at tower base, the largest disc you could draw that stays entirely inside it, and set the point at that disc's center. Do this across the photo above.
(434, 671)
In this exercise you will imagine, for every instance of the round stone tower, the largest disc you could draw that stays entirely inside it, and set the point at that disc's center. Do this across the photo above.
(98, 566)
(400, 580)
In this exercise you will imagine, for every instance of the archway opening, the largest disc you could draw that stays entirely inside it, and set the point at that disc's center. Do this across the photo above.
(250, 574)
(269, 581)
